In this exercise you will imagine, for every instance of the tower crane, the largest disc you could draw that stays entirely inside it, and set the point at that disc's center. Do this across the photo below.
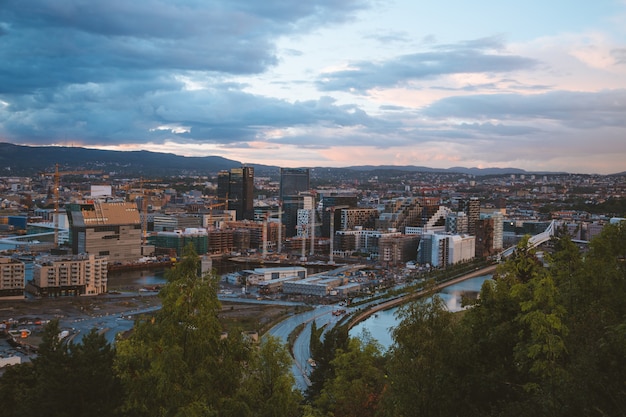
(57, 184)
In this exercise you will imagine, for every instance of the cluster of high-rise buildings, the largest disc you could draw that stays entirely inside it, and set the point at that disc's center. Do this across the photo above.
(117, 226)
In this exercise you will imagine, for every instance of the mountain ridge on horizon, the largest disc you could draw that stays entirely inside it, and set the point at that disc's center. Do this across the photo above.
(29, 160)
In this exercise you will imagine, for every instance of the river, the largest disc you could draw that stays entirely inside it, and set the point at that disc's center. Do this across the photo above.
(380, 325)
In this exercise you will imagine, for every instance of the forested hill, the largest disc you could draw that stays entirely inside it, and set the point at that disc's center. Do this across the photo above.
(29, 160)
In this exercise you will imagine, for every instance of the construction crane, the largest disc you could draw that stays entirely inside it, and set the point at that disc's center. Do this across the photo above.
(212, 206)
(280, 234)
(144, 218)
(57, 184)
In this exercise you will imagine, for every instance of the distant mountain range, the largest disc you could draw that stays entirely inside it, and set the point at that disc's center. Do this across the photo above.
(29, 160)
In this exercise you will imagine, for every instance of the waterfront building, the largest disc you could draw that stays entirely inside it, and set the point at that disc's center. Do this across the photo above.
(398, 249)
(11, 278)
(179, 239)
(442, 249)
(70, 275)
(259, 275)
(110, 229)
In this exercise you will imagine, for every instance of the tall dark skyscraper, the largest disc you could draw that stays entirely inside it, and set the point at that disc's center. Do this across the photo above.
(293, 181)
(238, 187)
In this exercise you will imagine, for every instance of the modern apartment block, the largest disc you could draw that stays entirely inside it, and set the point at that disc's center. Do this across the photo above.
(55, 276)
(11, 278)
(398, 249)
(110, 229)
(489, 234)
(358, 217)
(471, 207)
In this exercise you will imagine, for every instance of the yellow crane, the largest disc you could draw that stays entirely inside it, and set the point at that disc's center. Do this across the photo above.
(57, 184)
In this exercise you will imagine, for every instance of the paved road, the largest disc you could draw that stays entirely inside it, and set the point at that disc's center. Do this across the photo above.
(300, 368)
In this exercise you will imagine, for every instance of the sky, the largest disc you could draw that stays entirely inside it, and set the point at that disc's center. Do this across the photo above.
(536, 85)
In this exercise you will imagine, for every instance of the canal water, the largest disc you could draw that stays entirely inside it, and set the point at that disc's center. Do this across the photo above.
(380, 326)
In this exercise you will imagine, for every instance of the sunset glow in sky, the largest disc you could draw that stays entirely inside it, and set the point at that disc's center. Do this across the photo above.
(537, 85)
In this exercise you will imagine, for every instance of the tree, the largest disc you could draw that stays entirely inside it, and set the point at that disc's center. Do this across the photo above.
(358, 383)
(268, 386)
(422, 361)
(95, 387)
(177, 363)
(64, 380)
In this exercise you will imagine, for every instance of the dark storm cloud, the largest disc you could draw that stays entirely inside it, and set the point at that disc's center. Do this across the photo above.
(52, 43)
(113, 71)
(576, 109)
(466, 57)
(121, 113)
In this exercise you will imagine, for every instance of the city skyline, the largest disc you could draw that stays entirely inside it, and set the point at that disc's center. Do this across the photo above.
(541, 87)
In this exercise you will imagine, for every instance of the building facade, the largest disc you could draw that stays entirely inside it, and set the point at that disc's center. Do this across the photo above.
(110, 229)
(70, 275)
(238, 191)
(11, 278)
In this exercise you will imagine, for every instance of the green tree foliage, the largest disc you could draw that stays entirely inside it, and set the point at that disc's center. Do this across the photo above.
(539, 340)
(334, 340)
(268, 386)
(177, 363)
(64, 380)
(358, 383)
(96, 389)
(17, 392)
(421, 366)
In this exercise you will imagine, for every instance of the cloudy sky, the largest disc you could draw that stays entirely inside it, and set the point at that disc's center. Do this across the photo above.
(538, 85)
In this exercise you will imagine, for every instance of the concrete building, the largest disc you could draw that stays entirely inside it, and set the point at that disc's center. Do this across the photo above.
(179, 239)
(471, 207)
(457, 223)
(461, 248)
(489, 234)
(319, 286)
(259, 275)
(352, 218)
(11, 278)
(169, 223)
(398, 249)
(331, 210)
(70, 275)
(110, 229)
